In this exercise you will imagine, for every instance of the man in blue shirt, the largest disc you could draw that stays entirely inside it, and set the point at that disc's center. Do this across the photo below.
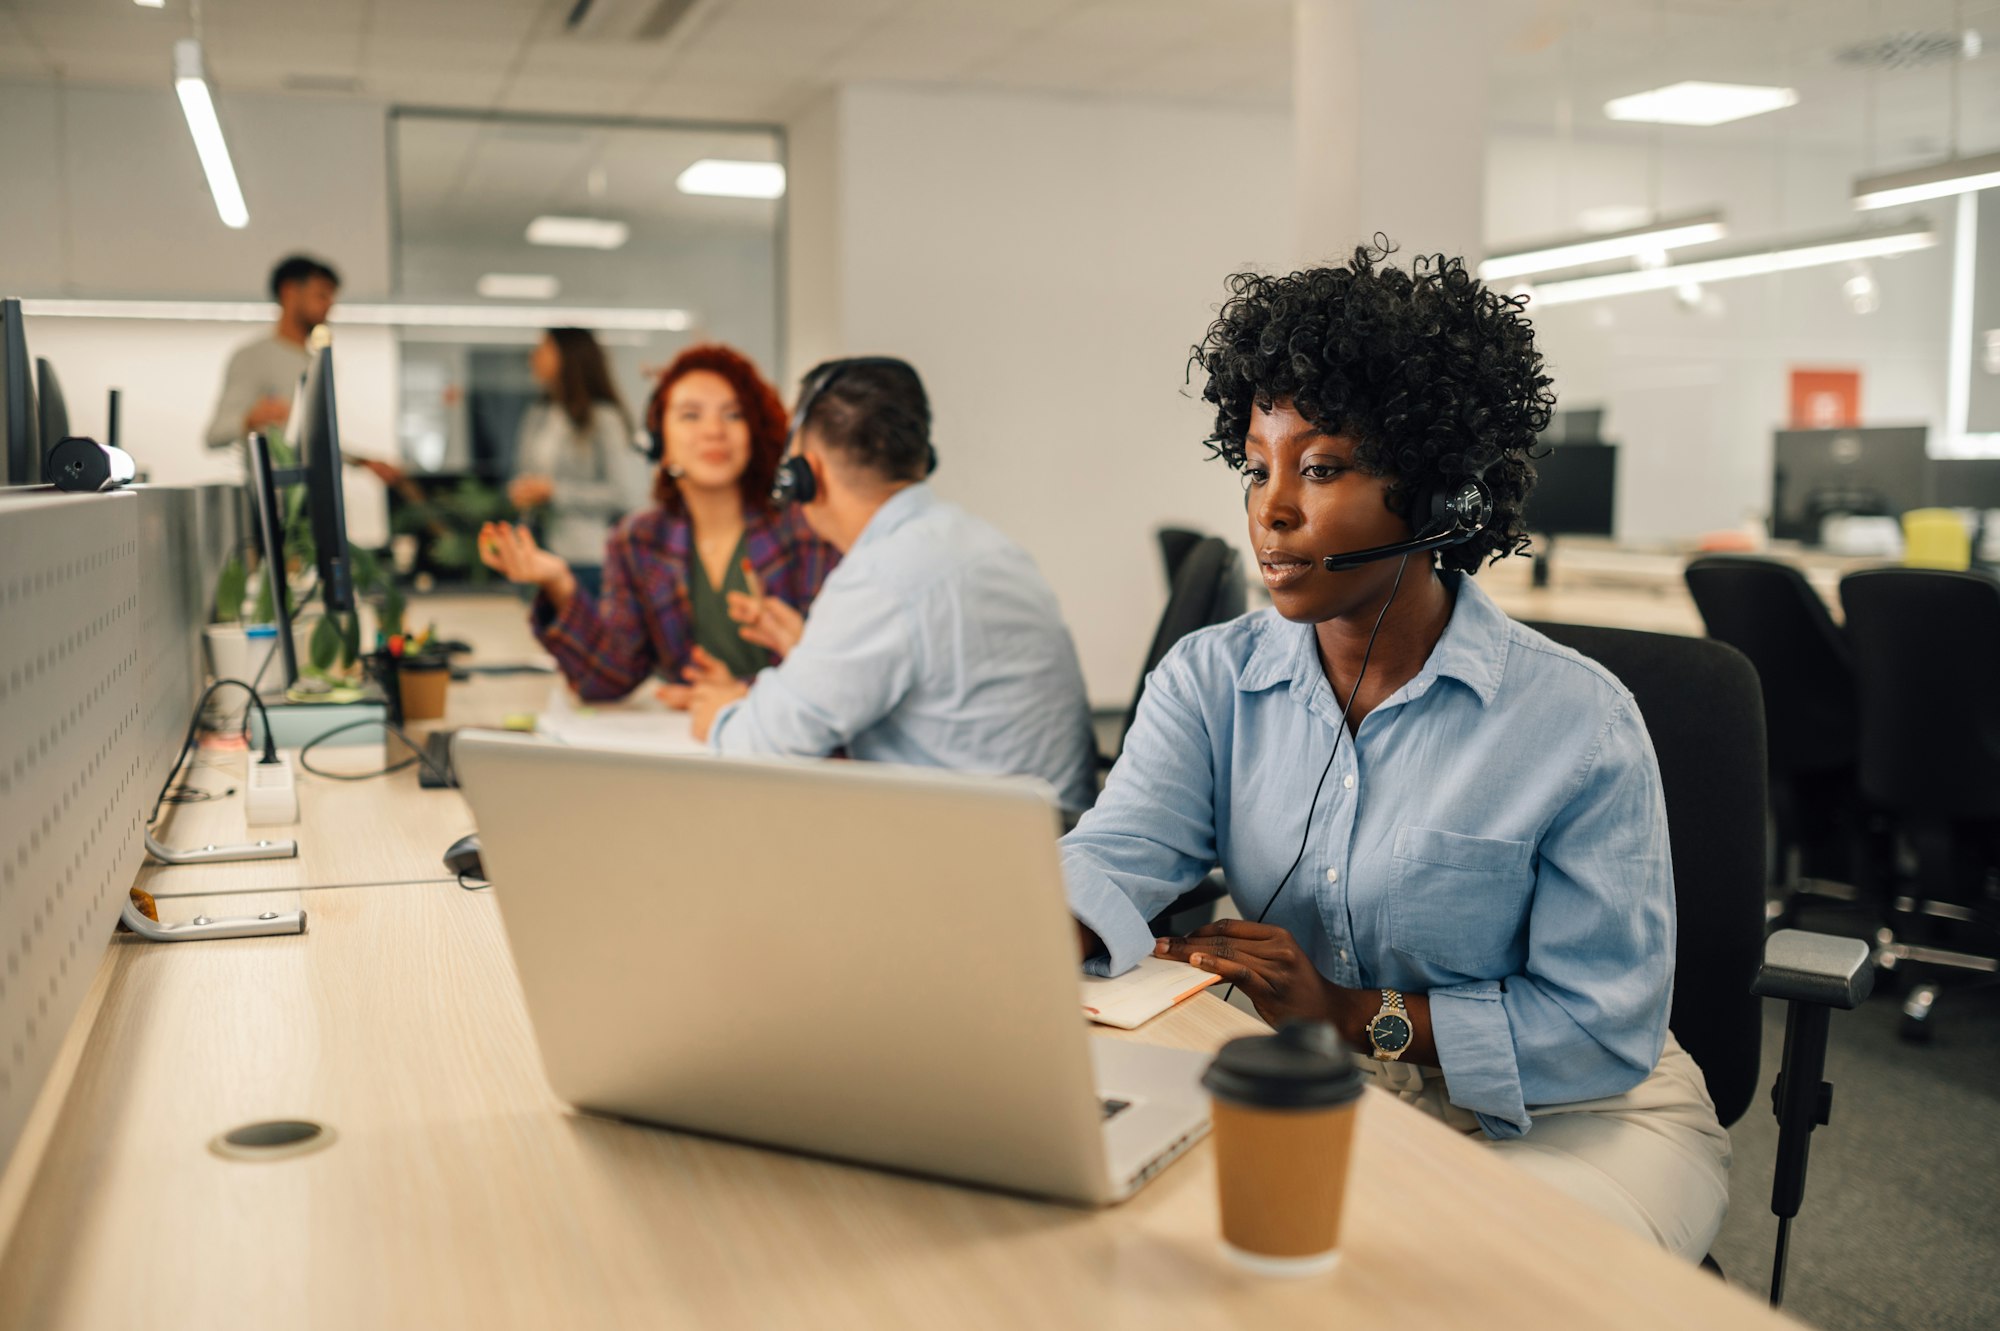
(936, 642)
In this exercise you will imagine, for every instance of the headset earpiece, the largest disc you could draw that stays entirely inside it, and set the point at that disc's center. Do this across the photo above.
(795, 482)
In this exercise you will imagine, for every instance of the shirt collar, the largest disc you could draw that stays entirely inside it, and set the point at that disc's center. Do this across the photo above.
(1473, 649)
(901, 507)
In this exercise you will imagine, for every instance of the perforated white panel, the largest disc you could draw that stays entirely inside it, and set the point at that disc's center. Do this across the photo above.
(73, 764)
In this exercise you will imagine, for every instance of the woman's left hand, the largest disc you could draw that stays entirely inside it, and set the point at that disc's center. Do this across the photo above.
(1271, 969)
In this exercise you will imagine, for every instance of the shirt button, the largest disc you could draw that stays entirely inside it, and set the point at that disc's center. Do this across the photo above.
(1343, 954)
(1347, 781)
(1333, 875)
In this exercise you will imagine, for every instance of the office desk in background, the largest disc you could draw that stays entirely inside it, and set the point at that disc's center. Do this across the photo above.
(458, 1192)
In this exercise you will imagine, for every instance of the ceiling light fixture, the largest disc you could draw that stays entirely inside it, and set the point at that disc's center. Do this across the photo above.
(360, 314)
(1809, 253)
(1701, 104)
(191, 83)
(733, 180)
(1575, 251)
(1956, 175)
(150, 4)
(518, 286)
(585, 233)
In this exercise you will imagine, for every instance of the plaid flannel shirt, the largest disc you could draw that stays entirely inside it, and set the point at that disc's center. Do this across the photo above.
(643, 621)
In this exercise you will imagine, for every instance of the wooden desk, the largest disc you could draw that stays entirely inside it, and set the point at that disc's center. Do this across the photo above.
(458, 1192)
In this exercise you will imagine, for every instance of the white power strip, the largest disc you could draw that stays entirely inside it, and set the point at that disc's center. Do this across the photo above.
(272, 792)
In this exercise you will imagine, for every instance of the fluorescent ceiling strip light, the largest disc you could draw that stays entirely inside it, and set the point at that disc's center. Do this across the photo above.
(150, 4)
(733, 180)
(518, 286)
(1574, 253)
(355, 313)
(1798, 254)
(1702, 104)
(584, 233)
(1958, 175)
(192, 86)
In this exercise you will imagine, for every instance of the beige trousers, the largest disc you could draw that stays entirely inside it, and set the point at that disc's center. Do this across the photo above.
(1654, 1159)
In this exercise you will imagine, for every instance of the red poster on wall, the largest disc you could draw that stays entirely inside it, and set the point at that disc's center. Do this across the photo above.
(1826, 399)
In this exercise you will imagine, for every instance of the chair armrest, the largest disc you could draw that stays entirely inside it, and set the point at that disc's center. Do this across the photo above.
(1804, 967)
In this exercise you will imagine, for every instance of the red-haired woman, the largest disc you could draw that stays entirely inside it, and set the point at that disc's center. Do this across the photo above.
(669, 572)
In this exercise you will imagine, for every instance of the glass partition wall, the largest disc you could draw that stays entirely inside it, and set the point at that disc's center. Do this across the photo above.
(508, 225)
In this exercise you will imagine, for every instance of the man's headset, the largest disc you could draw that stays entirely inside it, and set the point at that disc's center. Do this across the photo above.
(795, 482)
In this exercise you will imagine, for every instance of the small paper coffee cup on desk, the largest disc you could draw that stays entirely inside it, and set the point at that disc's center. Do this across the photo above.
(1284, 1107)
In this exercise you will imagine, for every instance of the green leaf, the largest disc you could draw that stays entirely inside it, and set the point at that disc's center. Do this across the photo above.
(350, 639)
(393, 605)
(325, 644)
(230, 586)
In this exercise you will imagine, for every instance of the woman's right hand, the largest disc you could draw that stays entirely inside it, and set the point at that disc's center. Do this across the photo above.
(511, 551)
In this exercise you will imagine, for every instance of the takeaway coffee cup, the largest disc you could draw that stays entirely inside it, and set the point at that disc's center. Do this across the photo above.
(1283, 1129)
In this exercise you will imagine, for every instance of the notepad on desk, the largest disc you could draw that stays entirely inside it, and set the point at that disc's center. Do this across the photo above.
(1131, 1000)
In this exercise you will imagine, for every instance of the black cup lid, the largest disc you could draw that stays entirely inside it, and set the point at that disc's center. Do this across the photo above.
(1303, 1066)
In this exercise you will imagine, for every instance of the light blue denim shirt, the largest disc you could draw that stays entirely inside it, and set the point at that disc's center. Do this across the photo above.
(936, 643)
(1493, 835)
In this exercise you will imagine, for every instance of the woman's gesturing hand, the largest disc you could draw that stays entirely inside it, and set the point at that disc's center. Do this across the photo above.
(1269, 966)
(511, 551)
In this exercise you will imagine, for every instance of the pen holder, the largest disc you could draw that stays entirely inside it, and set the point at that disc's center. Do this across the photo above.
(420, 685)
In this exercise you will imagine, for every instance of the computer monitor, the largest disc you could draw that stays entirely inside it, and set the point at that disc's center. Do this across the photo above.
(20, 427)
(1816, 474)
(318, 443)
(54, 415)
(269, 513)
(1576, 491)
(1965, 483)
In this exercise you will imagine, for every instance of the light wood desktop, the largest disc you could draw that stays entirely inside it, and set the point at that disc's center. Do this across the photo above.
(458, 1192)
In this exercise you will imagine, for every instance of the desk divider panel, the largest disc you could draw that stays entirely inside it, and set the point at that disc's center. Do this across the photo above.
(102, 599)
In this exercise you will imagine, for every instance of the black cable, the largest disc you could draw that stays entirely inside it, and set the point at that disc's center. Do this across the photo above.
(194, 727)
(417, 754)
(476, 885)
(1339, 735)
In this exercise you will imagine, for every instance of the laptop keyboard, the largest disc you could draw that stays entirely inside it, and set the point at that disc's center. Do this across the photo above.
(1109, 1108)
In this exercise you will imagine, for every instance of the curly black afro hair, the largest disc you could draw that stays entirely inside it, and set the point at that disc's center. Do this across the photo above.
(1434, 376)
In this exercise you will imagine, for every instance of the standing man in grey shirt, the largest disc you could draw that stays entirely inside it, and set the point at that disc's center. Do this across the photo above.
(257, 387)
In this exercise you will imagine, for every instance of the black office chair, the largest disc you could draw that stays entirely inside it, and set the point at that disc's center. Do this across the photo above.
(1704, 709)
(1925, 646)
(1207, 589)
(1175, 545)
(1768, 611)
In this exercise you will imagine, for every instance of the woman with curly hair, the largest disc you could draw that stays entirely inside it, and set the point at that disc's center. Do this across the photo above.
(1445, 834)
(712, 581)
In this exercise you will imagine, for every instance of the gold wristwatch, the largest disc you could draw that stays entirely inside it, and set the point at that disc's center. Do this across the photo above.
(1389, 1030)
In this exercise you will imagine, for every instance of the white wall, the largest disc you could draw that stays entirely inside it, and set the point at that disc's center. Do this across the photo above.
(1694, 394)
(1046, 264)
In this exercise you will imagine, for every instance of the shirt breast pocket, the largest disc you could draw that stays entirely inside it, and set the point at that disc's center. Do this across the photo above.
(1460, 902)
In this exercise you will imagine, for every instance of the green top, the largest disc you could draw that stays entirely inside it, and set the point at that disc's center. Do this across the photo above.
(714, 631)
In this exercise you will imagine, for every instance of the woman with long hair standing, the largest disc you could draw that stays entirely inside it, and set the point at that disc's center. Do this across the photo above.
(711, 578)
(574, 461)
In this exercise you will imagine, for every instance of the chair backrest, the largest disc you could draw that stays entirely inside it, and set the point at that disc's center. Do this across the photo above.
(1207, 589)
(1926, 646)
(1936, 538)
(1768, 611)
(1703, 707)
(1175, 542)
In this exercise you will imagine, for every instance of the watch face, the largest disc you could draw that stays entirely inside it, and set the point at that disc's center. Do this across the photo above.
(1390, 1032)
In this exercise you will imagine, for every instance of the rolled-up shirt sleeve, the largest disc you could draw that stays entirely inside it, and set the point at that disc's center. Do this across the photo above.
(601, 642)
(858, 657)
(1587, 1017)
(1151, 835)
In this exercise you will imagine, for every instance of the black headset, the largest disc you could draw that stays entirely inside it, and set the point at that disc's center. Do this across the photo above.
(1444, 514)
(795, 483)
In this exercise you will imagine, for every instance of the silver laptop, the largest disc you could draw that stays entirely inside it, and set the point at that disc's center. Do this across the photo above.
(872, 963)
